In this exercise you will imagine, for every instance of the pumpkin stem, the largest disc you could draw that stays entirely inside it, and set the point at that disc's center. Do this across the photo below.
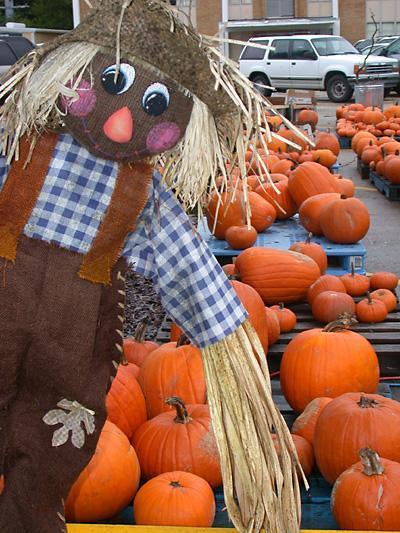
(345, 321)
(367, 403)
(182, 416)
(352, 269)
(175, 484)
(309, 237)
(182, 341)
(368, 294)
(281, 306)
(140, 331)
(343, 197)
(371, 462)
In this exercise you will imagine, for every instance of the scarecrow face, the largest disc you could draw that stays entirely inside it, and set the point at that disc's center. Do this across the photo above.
(137, 115)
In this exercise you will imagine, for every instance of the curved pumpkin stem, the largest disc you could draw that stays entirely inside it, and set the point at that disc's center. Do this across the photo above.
(371, 462)
(309, 237)
(140, 331)
(183, 341)
(281, 306)
(367, 403)
(182, 415)
(345, 321)
(368, 295)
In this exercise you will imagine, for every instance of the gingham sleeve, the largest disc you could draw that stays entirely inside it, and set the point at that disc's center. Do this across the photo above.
(193, 289)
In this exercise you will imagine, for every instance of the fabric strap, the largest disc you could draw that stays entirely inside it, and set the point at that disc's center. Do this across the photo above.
(21, 191)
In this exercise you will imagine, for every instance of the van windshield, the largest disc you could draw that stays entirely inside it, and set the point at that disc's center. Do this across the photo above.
(327, 46)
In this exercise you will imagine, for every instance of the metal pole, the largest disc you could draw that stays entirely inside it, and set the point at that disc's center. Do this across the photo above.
(76, 10)
(223, 33)
(336, 16)
(9, 9)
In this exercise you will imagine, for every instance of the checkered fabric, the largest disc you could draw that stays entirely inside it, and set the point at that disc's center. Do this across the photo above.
(165, 247)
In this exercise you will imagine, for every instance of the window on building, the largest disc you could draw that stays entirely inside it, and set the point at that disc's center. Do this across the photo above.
(319, 8)
(280, 49)
(280, 8)
(240, 9)
(386, 14)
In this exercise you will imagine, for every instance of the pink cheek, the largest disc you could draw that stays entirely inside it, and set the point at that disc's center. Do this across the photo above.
(163, 137)
(85, 104)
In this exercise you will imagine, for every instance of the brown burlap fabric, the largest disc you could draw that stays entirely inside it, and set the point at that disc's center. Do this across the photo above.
(151, 33)
(54, 327)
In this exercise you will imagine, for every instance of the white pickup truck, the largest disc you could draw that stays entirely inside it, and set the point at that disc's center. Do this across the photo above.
(322, 62)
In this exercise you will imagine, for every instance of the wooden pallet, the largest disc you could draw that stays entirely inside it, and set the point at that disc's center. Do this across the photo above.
(389, 189)
(363, 169)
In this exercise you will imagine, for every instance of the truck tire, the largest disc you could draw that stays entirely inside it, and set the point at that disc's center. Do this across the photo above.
(260, 78)
(338, 88)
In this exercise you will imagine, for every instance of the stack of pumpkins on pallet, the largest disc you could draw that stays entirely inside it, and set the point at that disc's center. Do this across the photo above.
(354, 118)
(380, 154)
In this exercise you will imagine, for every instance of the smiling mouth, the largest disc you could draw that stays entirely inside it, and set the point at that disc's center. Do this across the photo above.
(113, 155)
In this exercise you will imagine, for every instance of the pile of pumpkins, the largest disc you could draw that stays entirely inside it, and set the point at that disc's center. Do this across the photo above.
(380, 154)
(354, 118)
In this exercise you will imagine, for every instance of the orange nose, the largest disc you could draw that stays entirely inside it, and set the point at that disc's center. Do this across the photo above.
(119, 126)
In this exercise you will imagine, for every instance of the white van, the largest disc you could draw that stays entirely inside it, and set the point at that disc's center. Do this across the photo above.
(322, 62)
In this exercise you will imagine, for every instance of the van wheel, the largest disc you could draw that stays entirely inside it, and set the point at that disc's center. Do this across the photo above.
(263, 80)
(338, 88)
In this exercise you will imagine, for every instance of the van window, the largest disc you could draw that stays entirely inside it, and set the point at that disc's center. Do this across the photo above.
(20, 45)
(281, 51)
(251, 52)
(7, 57)
(302, 49)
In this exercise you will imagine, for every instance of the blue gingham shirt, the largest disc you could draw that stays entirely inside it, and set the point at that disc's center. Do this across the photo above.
(164, 246)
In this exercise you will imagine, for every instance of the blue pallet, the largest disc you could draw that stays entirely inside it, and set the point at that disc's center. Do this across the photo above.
(363, 169)
(344, 142)
(386, 187)
(282, 234)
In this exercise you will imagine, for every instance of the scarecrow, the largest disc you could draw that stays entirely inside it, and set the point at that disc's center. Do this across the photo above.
(85, 120)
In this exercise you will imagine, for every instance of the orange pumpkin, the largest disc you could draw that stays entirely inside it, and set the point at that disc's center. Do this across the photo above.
(327, 362)
(241, 237)
(263, 215)
(125, 403)
(229, 211)
(372, 115)
(324, 157)
(304, 425)
(365, 496)
(356, 284)
(310, 211)
(309, 179)
(353, 421)
(345, 220)
(371, 310)
(273, 325)
(287, 319)
(182, 439)
(329, 305)
(325, 140)
(172, 370)
(313, 250)
(277, 275)
(284, 166)
(392, 170)
(175, 499)
(328, 282)
(392, 111)
(304, 450)
(109, 481)
(282, 201)
(307, 116)
(384, 280)
(387, 297)
(176, 332)
(136, 348)
(345, 186)
(361, 135)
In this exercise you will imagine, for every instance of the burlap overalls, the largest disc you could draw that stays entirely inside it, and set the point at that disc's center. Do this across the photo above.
(60, 341)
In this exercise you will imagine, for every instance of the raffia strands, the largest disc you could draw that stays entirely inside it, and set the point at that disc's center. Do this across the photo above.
(32, 93)
(260, 491)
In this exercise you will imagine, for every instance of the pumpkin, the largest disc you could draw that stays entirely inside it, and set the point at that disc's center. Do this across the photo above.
(325, 140)
(324, 157)
(182, 439)
(125, 403)
(345, 186)
(351, 422)
(345, 221)
(330, 305)
(176, 332)
(175, 499)
(254, 305)
(284, 166)
(304, 450)
(371, 153)
(365, 496)
(241, 237)
(274, 122)
(310, 211)
(328, 282)
(277, 275)
(136, 348)
(384, 280)
(327, 362)
(224, 211)
(287, 319)
(363, 144)
(273, 326)
(304, 425)
(361, 135)
(392, 111)
(307, 155)
(392, 170)
(174, 369)
(294, 138)
(313, 250)
(309, 179)
(263, 215)
(109, 481)
(387, 297)
(372, 115)
(284, 205)
(371, 310)
(307, 116)
(356, 284)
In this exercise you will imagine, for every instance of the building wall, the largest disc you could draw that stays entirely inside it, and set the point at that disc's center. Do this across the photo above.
(352, 19)
(208, 16)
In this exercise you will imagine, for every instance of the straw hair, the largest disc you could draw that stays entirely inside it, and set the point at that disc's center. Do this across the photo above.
(260, 490)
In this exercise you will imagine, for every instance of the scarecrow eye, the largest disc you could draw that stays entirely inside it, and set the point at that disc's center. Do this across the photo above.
(155, 99)
(124, 81)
